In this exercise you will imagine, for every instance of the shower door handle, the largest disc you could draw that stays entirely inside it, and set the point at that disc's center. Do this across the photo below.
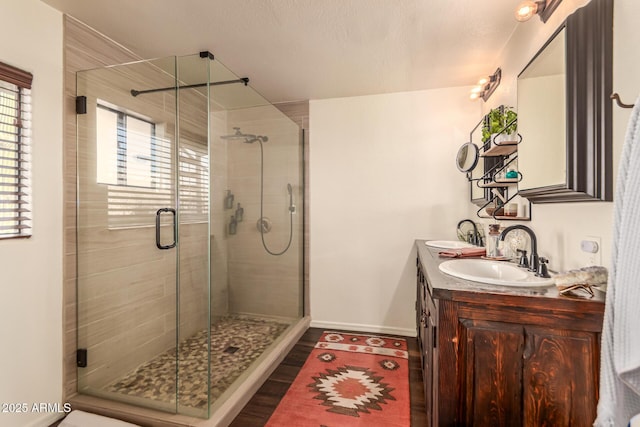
(158, 213)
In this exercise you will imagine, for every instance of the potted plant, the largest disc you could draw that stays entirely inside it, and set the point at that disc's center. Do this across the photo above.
(500, 121)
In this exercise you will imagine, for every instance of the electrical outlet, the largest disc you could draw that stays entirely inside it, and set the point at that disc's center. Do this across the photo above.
(591, 246)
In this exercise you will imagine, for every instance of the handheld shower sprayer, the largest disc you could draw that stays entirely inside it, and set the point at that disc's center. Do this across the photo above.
(292, 207)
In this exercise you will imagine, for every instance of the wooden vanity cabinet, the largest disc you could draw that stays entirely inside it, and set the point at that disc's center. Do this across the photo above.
(508, 360)
(427, 331)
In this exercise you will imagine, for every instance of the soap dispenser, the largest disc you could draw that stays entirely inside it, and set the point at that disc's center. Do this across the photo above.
(228, 200)
(233, 225)
(239, 213)
(493, 240)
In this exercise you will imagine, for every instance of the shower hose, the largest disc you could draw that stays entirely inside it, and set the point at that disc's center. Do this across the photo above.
(291, 209)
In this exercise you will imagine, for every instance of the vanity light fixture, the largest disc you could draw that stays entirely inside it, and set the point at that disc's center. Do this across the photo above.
(486, 86)
(543, 8)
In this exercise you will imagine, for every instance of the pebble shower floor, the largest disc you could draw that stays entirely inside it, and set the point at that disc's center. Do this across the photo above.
(237, 341)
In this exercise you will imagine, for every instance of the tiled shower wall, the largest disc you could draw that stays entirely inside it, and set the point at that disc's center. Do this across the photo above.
(261, 283)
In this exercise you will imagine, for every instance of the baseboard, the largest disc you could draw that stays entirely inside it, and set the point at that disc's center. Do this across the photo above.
(364, 328)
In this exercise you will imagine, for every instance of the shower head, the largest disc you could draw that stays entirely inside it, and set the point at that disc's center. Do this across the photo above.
(246, 137)
(239, 135)
(289, 189)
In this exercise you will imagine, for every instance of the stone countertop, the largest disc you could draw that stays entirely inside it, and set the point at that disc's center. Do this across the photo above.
(443, 286)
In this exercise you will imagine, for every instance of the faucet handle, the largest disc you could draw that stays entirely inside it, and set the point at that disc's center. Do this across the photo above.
(524, 261)
(542, 268)
(474, 238)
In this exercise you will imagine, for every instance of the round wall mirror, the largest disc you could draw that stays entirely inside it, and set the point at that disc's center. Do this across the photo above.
(467, 157)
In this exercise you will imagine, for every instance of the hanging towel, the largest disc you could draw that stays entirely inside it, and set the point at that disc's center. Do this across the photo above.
(620, 358)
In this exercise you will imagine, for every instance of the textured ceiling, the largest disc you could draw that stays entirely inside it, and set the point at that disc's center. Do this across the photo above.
(311, 49)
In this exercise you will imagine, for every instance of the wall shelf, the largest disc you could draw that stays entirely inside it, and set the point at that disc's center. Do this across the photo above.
(505, 217)
(498, 190)
(499, 183)
(500, 150)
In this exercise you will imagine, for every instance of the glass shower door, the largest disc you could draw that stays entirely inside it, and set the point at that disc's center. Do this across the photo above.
(193, 185)
(142, 235)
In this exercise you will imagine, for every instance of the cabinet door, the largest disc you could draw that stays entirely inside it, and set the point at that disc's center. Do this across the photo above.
(422, 324)
(431, 360)
(421, 311)
(560, 377)
(490, 373)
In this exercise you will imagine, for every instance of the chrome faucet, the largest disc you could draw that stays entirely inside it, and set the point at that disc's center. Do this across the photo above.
(534, 263)
(475, 238)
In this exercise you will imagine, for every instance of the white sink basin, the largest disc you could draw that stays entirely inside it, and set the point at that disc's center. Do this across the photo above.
(448, 244)
(493, 272)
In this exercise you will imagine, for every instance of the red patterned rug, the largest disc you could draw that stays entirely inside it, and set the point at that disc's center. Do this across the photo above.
(349, 380)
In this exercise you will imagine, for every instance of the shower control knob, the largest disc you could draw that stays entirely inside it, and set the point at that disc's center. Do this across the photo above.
(264, 225)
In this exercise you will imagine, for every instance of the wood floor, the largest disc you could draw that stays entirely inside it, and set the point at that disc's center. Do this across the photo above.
(264, 402)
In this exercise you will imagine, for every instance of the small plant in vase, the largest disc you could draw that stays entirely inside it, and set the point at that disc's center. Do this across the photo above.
(500, 125)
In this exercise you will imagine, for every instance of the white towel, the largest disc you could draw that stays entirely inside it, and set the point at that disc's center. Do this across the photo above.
(620, 359)
(86, 419)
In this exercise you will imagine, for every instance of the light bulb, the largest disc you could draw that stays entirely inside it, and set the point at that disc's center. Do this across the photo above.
(476, 89)
(526, 10)
(474, 96)
(483, 81)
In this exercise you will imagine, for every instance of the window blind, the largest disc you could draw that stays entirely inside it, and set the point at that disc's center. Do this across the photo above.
(194, 181)
(136, 206)
(15, 152)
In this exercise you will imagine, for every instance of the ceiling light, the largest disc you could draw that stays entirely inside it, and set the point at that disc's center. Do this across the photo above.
(543, 8)
(486, 86)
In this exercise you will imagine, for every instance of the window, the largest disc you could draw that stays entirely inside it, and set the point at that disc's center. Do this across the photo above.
(15, 152)
(136, 164)
(126, 149)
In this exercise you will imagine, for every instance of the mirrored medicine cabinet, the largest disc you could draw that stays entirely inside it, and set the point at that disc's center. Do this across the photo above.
(564, 111)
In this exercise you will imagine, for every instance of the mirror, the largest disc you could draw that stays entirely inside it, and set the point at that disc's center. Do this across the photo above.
(564, 111)
(467, 157)
(545, 75)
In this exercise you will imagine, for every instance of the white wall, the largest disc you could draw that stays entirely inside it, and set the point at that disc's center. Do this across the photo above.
(382, 174)
(31, 269)
(561, 227)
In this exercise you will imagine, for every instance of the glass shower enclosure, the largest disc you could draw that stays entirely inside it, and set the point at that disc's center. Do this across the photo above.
(189, 232)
